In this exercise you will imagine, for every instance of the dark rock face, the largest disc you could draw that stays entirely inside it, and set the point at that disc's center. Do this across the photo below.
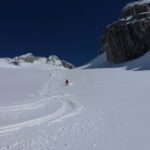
(129, 37)
(135, 8)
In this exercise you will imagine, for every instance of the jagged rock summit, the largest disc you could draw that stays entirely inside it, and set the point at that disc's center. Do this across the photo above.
(32, 59)
(138, 2)
(129, 37)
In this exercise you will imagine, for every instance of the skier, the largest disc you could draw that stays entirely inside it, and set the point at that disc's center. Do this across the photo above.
(66, 82)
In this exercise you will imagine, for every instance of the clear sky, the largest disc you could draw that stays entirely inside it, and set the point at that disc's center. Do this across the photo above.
(70, 29)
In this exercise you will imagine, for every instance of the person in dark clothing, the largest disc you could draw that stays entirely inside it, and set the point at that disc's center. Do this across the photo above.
(66, 82)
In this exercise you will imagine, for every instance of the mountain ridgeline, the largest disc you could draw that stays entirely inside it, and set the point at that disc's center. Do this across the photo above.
(30, 58)
(128, 37)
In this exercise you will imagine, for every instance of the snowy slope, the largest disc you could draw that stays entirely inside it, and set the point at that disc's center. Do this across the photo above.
(142, 63)
(104, 107)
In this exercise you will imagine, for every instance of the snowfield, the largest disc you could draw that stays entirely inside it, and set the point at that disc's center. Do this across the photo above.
(105, 107)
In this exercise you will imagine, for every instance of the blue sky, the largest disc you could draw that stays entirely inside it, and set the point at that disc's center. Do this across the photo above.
(70, 29)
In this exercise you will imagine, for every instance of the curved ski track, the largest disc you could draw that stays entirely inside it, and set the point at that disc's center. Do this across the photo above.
(68, 108)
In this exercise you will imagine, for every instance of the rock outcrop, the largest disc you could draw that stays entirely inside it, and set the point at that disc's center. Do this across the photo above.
(129, 37)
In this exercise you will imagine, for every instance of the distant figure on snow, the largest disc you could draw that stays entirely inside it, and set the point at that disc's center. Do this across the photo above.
(66, 82)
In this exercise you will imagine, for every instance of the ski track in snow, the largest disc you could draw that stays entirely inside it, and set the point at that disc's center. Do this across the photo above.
(67, 109)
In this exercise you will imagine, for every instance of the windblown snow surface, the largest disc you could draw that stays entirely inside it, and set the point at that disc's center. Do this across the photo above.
(104, 107)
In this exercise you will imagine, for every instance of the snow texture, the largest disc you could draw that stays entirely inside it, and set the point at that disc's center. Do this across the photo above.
(103, 107)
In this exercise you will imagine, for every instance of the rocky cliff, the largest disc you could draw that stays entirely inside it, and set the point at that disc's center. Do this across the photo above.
(129, 37)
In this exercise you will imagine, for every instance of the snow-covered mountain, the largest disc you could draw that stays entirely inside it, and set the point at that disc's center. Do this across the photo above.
(30, 59)
(105, 106)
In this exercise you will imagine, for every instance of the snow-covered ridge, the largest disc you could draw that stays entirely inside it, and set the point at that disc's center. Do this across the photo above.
(29, 58)
(139, 64)
(139, 2)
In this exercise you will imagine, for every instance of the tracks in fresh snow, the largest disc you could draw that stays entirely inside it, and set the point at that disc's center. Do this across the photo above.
(48, 108)
(67, 109)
